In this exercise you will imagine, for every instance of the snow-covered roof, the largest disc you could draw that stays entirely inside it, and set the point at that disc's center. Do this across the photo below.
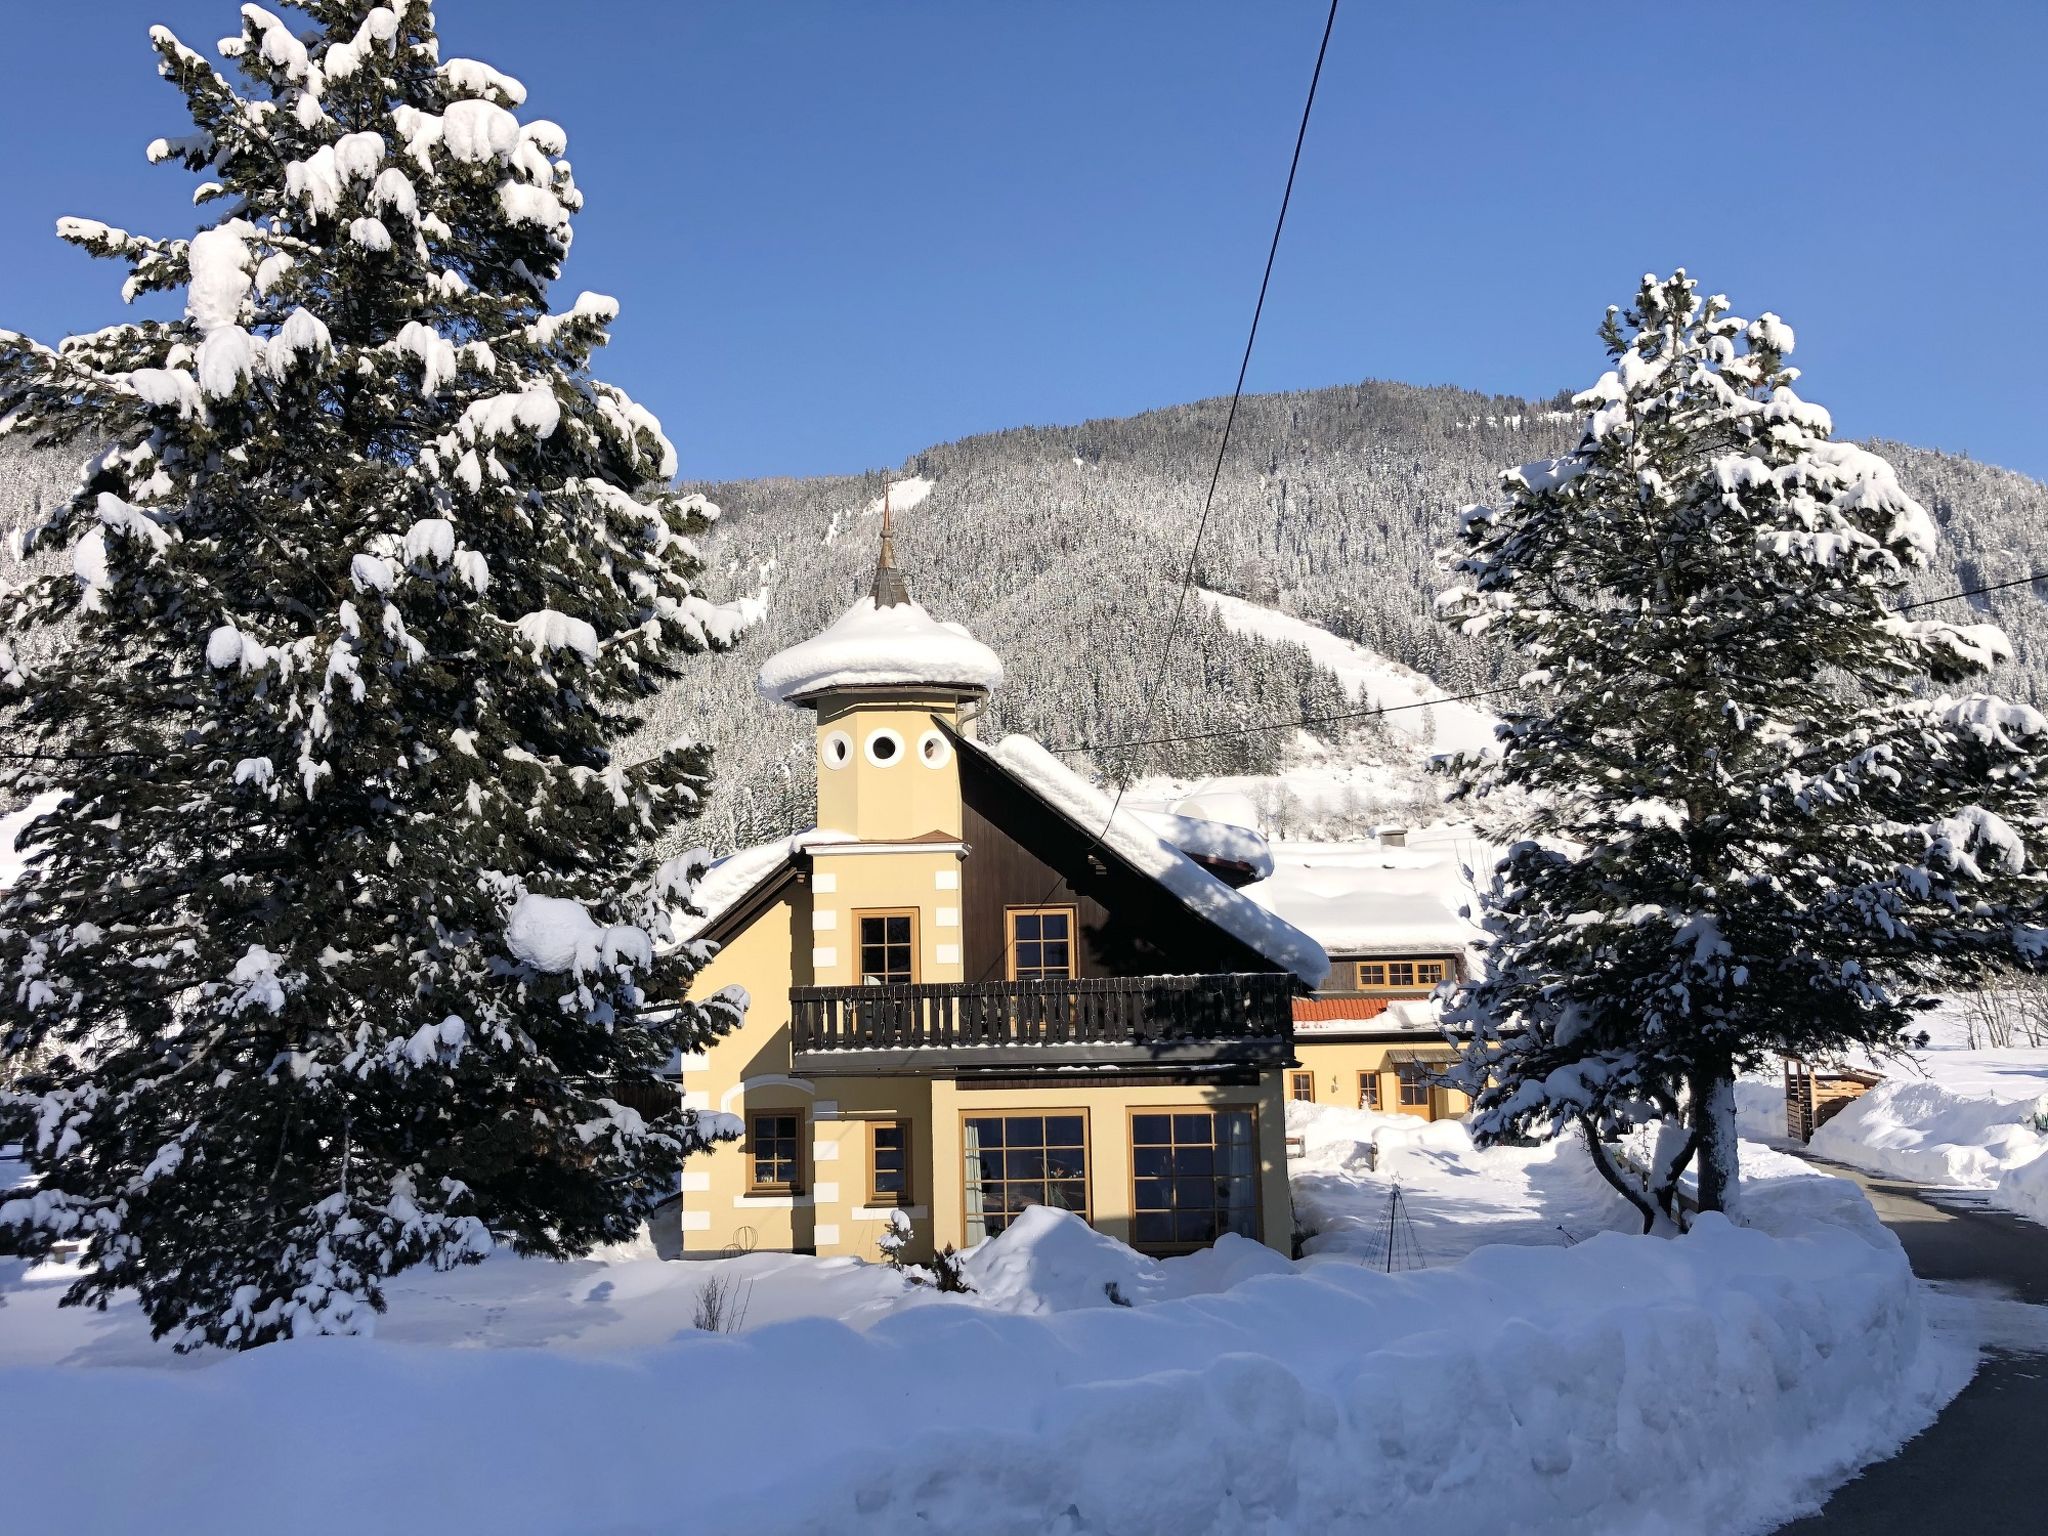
(1367, 1016)
(1363, 899)
(738, 873)
(1200, 838)
(898, 644)
(1126, 835)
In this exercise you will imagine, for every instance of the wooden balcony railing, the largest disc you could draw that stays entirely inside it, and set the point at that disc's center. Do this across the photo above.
(1133, 1013)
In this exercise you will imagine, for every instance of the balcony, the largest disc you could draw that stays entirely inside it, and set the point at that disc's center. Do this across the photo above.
(1244, 1019)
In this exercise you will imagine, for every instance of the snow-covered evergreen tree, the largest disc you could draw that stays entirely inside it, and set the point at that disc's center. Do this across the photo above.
(341, 954)
(1747, 828)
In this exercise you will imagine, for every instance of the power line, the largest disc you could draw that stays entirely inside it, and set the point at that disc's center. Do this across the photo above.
(1261, 727)
(1187, 580)
(1286, 725)
(1996, 586)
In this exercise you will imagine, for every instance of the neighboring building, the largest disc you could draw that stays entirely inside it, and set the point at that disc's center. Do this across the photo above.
(968, 997)
(1371, 1036)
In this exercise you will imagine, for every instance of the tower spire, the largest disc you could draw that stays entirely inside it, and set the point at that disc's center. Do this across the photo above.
(890, 587)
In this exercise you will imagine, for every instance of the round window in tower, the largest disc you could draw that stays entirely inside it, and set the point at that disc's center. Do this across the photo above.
(836, 749)
(885, 748)
(934, 749)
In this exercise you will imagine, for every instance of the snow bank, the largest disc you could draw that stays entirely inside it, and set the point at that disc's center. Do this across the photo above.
(1522, 1388)
(871, 647)
(1089, 809)
(1947, 1114)
(1051, 1261)
(1937, 1133)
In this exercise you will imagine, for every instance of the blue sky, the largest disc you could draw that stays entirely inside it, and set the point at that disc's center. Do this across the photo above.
(843, 232)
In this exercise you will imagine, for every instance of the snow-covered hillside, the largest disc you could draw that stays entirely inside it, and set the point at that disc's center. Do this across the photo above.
(1057, 545)
(1369, 680)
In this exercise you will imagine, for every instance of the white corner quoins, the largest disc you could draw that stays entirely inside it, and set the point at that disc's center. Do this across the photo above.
(884, 748)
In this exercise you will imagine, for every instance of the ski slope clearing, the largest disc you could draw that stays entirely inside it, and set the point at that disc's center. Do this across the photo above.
(1517, 1382)
(1954, 1117)
(1367, 677)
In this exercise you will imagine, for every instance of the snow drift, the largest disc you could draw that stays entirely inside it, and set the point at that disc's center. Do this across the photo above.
(1712, 1383)
(1953, 1133)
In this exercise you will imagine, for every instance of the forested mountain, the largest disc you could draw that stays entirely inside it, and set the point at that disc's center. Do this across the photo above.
(1063, 547)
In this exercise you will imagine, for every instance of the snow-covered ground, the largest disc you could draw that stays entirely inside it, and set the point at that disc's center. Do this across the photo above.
(1453, 1198)
(1515, 1380)
(1953, 1117)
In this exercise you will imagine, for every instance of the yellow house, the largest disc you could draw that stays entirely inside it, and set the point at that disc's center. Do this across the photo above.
(973, 989)
(1371, 1036)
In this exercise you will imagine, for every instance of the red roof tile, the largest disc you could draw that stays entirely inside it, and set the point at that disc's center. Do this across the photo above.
(1308, 1009)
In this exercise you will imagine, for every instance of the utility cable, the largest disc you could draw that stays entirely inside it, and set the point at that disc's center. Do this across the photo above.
(1215, 477)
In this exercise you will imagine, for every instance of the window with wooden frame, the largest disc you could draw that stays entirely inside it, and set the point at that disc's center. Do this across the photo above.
(889, 1162)
(1368, 1090)
(1400, 973)
(1041, 942)
(1414, 1083)
(1302, 1086)
(775, 1151)
(1194, 1176)
(1015, 1161)
(888, 945)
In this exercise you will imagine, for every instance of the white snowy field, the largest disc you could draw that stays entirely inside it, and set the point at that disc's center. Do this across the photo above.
(1953, 1117)
(1516, 1381)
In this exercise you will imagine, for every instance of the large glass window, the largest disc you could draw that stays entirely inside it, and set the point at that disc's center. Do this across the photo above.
(1016, 1161)
(1196, 1176)
(1041, 943)
(888, 946)
(776, 1153)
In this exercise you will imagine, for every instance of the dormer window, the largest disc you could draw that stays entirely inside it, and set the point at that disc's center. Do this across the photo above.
(1400, 975)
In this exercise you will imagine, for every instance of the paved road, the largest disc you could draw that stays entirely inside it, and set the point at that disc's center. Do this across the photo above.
(1983, 1465)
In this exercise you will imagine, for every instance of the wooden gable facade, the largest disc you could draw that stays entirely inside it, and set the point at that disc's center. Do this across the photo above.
(1025, 854)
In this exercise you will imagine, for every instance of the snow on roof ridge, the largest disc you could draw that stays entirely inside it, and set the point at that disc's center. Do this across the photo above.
(870, 647)
(1204, 837)
(1198, 890)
